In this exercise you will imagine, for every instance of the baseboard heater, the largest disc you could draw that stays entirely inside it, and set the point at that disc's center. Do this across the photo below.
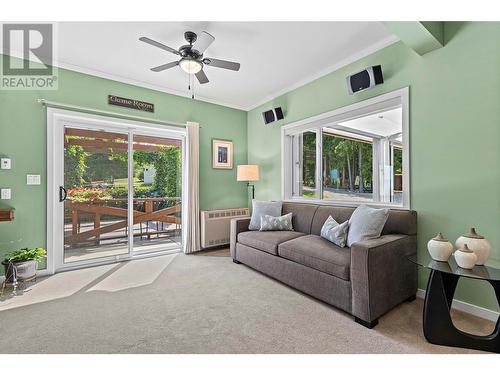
(215, 225)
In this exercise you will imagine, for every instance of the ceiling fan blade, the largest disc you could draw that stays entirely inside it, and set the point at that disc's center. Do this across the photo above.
(158, 44)
(202, 77)
(203, 41)
(222, 64)
(165, 66)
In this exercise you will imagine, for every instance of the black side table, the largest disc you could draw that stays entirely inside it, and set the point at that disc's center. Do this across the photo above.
(438, 326)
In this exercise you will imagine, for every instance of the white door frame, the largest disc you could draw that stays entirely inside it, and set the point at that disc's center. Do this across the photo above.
(57, 119)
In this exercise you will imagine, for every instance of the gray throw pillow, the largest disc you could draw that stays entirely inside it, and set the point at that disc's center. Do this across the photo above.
(366, 223)
(268, 222)
(261, 208)
(335, 232)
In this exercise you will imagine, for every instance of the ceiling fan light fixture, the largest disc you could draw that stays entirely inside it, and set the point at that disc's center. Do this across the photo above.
(190, 65)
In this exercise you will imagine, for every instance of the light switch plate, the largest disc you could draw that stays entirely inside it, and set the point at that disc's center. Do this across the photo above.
(5, 163)
(32, 179)
(5, 193)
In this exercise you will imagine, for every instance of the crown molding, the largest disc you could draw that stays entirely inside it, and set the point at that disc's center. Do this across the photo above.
(130, 81)
(349, 60)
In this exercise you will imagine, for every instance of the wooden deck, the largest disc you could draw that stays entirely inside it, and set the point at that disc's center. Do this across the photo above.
(97, 210)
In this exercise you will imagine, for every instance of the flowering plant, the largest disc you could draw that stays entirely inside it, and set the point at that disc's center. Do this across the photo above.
(84, 195)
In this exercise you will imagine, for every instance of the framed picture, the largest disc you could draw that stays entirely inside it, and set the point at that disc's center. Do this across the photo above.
(222, 154)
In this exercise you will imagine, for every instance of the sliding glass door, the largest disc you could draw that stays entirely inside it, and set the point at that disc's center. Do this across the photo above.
(95, 194)
(157, 193)
(119, 192)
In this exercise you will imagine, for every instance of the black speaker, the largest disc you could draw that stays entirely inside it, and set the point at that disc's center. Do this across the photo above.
(365, 79)
(272, 115)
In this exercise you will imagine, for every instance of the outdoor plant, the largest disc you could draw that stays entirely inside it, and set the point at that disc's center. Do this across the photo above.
(25, 255)
(83, 195)
(75, 165)
(168, 171)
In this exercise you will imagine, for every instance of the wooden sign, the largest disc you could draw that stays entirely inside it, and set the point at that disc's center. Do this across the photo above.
(131, 103)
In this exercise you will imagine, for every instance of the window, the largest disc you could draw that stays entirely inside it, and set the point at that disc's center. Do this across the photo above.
(305, 155)
(357, 154)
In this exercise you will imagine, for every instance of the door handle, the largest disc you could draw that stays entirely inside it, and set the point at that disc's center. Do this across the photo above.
(63, 194)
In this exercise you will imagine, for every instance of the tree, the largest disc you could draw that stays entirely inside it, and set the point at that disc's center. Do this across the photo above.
(350, 158)
(309, 159)
(167, 179)
(107, 166)
(75, 165)
(347, 149)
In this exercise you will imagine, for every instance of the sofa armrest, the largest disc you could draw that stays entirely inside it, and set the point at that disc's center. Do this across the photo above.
(381, 274)
(237, 226)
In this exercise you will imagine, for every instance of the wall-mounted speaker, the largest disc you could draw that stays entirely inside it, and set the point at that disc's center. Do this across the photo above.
(272, 115)
(365, 79)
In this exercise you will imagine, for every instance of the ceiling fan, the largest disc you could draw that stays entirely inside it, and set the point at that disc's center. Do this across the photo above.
(192, 60)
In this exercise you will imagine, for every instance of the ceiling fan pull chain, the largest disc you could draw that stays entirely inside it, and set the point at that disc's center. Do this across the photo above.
(192, 90)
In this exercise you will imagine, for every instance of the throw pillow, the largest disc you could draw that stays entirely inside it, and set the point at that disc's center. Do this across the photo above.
(366, 223)
(261, 208)
(269, 222)
(335, 232)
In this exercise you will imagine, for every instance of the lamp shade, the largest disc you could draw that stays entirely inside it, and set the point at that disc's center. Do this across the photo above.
(247, 173)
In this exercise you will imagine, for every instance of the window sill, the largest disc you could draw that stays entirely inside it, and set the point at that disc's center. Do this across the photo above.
(325, 202)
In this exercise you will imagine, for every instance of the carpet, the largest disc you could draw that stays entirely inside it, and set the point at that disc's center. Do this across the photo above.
(197, 304)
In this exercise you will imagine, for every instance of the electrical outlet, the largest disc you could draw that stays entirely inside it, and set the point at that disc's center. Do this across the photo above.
(5, 193)
(5, 163)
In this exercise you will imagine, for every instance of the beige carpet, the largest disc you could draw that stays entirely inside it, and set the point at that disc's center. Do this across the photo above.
(196, 304)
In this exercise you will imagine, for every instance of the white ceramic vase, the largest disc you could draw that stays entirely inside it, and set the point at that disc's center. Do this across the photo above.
(478, 244)
(440, 248)
(465, 257)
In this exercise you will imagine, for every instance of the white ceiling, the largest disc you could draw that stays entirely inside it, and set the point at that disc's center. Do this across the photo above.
(384, 124)
(275, 57)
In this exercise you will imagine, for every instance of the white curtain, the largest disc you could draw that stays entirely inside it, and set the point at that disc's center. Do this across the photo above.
(192, 203)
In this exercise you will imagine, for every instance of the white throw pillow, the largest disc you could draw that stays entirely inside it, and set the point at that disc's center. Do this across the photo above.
(366, 223)
(261, 208)
(268, 222)
(335, 232)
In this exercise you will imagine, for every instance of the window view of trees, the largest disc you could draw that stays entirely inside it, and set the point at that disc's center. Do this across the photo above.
(96, 211)
(349, 157)
(397, 161)
(346, 170)
(347, 167)
(309, 164)
(108, 171)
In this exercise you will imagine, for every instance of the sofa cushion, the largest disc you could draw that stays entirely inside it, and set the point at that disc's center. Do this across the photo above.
(266, 241)
(260, 208)
(366, 223)
(316, 252)
(338, 213)
(398, 222)
(270, 223)
(335, 232)
(302, 215)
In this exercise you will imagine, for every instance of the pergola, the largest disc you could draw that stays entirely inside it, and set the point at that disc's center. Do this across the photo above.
(102, 142)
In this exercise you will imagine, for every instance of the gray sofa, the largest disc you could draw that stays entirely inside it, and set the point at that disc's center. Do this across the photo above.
(366, 280)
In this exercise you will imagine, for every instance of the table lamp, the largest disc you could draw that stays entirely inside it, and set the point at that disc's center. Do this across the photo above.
(248, 173)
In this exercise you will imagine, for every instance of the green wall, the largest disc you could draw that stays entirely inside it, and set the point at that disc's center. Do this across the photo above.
(454, 134)
(23, 139)
(454, 137)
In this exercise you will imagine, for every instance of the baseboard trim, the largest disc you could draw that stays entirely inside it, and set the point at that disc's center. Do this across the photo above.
(469, 308)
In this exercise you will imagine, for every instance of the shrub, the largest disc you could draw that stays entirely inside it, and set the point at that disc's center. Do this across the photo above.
(75, 165)
(167, 180)
(83, 195)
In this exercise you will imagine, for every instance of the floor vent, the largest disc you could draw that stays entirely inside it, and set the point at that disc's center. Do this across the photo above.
(215, 225)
